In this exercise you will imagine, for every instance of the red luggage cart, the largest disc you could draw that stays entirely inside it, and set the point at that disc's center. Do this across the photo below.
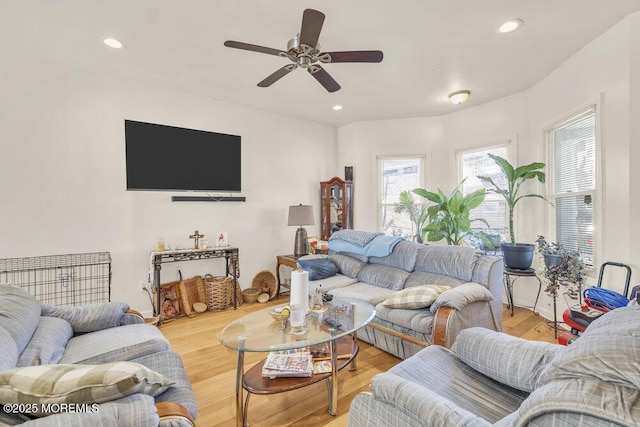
(580, 316)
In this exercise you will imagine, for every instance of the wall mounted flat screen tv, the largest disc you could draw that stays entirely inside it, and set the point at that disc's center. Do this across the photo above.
(160, 157)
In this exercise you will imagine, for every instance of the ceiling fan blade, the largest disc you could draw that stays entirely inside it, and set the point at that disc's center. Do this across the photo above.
(312, 21)
(255, 48)
(323, 78)
(277, 75)
(352, 56)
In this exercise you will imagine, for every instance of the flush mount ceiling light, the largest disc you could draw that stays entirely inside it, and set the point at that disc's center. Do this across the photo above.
(509, 26)
(111, 42)
(337, 107)
(460, 96)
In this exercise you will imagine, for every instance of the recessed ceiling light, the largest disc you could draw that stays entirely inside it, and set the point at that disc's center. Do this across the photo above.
(459, 97)
(509, 26)
(116, 44)
(337, 107)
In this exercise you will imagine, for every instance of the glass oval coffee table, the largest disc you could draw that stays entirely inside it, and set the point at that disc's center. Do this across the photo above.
(336, 327)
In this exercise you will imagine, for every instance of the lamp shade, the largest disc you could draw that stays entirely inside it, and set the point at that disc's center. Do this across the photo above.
(301, 215)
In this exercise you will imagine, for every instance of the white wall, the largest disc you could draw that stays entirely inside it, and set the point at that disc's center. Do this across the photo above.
(605, 71)
(63, 174)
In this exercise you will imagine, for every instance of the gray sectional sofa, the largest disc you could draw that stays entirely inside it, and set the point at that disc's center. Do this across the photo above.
(93, 365)
(493, 379)
(475, 297)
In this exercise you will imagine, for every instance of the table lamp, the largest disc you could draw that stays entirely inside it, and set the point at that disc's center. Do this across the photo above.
(301, 215)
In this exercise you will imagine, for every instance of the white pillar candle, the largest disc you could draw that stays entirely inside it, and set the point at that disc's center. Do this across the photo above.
(300, 289)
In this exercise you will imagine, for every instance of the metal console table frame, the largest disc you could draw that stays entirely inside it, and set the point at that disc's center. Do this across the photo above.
(230, 254)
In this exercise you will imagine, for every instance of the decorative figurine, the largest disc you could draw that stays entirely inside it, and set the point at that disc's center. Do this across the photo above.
(196, 236)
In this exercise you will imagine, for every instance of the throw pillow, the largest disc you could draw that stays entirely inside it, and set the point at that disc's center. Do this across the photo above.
(415, 297)
(319, 267)
(78, 384)
(462, 295)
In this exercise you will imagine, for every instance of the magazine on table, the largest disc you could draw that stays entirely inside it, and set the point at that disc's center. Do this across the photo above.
(295, 362)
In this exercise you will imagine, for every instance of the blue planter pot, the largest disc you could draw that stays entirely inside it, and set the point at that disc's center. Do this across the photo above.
(518, 256)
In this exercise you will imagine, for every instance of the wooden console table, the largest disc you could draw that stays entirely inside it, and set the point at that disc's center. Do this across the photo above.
(288, 261)
(230, 254)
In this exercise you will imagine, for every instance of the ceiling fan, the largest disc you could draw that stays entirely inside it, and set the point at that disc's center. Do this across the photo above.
(304, 51)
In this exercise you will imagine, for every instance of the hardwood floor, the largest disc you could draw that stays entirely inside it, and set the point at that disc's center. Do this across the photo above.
(212, 369)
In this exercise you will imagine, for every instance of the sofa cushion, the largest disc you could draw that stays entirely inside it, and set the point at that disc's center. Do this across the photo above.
(513, 361)
(441, 371)
(383, 276)
(609, 351)
(318, 266)
(89, 317)
(349, 266)
(461, 295)
(418, 320)
(19, 314)
(404, 256)
(79, 383)
(455, 261)
(337, 281)
(47, 343)
(9, 353)
(420, 278)
(113, 344)
(363, 292)
(415, 297)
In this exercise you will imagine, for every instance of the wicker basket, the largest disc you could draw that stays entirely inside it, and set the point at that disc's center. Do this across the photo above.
(266, 282)
(218, 289)
(191, 291)
(251, 294)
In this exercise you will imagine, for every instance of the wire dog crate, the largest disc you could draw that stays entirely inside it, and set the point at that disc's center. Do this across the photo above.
(72, 279)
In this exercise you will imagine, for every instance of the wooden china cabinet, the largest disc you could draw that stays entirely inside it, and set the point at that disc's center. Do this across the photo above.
(336, 206)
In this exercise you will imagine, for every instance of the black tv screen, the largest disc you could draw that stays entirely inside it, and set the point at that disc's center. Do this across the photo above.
(160, 157)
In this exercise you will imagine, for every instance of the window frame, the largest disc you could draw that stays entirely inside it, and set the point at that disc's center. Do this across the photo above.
(597, 192)
(380, 158)
(498, 143)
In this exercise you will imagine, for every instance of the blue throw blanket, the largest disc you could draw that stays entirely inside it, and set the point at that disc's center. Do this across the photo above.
(377, 244)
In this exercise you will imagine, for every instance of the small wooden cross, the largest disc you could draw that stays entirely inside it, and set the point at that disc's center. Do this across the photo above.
(196, 236)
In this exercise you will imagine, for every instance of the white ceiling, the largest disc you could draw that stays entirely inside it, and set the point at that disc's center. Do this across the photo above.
(431, 48)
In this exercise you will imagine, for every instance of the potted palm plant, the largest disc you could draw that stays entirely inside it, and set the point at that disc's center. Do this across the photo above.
(449, 215)
(417, 213)
(516, 255)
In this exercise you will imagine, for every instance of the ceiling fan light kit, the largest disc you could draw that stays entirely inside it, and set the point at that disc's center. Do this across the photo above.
(304, 51)
(459, 97)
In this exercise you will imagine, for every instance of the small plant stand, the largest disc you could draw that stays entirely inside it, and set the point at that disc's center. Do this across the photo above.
(510, 277)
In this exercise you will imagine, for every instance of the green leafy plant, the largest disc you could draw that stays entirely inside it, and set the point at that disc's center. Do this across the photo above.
(515, 177)
(449, 215)
(417, 213)
(560, 265)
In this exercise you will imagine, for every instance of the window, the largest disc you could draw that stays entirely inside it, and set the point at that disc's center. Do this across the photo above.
(395, 175)
(472, 163)
(572, 182)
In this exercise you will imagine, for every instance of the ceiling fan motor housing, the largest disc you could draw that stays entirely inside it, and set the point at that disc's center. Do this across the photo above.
(302, 54)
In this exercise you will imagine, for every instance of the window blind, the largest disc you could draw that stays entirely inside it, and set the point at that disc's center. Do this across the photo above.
(573, 148)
